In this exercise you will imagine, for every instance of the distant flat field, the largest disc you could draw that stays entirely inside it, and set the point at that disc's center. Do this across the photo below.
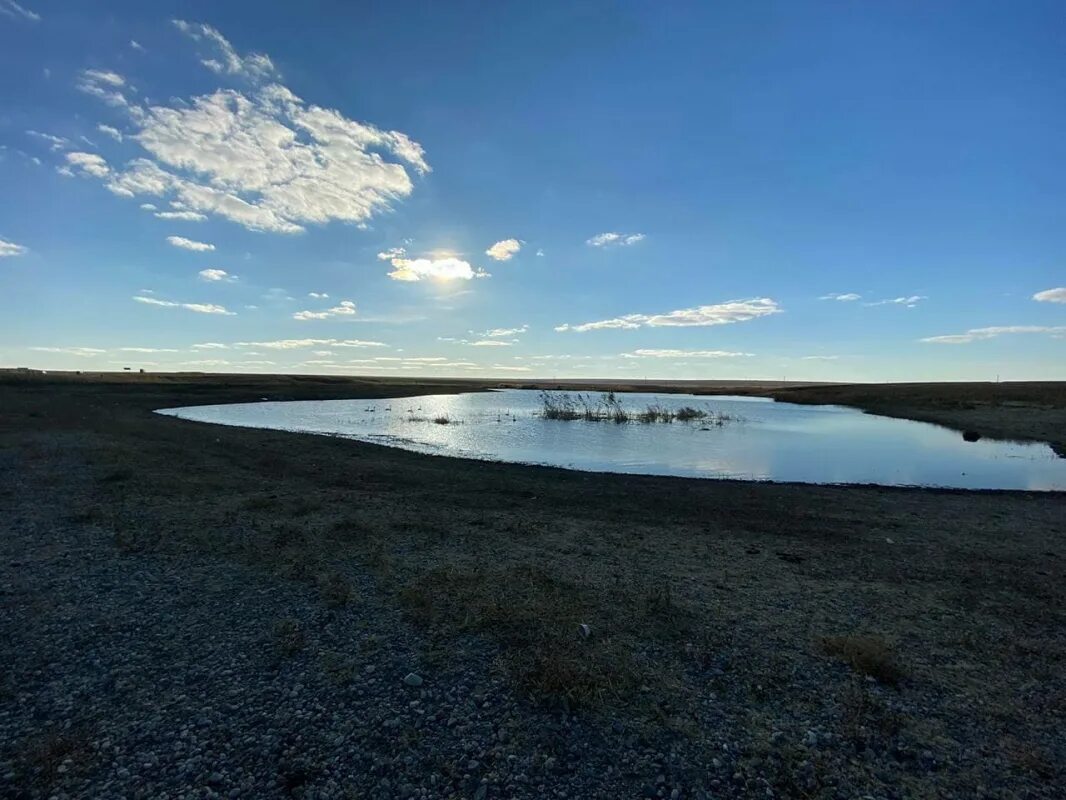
(1022, 410)
(862, 640)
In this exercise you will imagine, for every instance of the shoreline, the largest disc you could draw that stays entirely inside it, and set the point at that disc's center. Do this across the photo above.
(242, 609)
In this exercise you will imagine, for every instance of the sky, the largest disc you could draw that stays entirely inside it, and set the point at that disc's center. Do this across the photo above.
(840, 191)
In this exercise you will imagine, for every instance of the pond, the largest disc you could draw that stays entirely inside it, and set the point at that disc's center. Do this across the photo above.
(741, 438)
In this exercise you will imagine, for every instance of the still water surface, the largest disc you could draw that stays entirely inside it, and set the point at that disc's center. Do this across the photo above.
(771, 441)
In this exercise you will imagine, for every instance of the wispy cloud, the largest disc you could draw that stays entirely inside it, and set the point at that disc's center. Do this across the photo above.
(210, 346)
(346, 308)
(137, 46)
(187, 216)
(299, 344)
(199, 308)
(88, 164)
(495, 333)
(504, 250)
(226, 59)
(85, 352)
(612, 239)
(980, 334)
(103, 84)
(844, 298)
(148, 350)
(443, 268)
(107, 130)
(216, 275)
(318, 295)
(1057, 295)
(54, 142)
(668, 353)
(819, 358)
(189, 244)
(9, 8)
(909, 302)
(10, 249)
(719, 314)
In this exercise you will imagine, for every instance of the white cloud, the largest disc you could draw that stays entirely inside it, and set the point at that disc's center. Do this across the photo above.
(262, 157)
(504, 250)
(615, 239)
(494, 333)
(300, 344)
(318, 295)
(189, 244)
(216, 275)
(114, 133)
(819, 358)
(346, 308)
(844, 298)
(208, 362)
(540, 252)
(210, 346)
(188, 216)
(199, 308)
(719, 314)
(488, 343)
(909, 302)
(1051, 296)
(137, 46)
(8, 249)
(979, 334)
(254, 65)
(86, 352)
(148, 206)
(9, 8)
(444, 268)
(89, 164)
(54, 142)
(651, 353)
(104, 85)
(148, 350)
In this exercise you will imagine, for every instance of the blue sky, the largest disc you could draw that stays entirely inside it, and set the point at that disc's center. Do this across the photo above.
(835, 191)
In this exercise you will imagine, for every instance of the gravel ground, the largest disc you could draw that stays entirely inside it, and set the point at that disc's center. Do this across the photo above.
(182, 672)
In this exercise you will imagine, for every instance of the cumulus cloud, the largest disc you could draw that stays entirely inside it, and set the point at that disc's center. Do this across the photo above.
(651, 353)
(844, 298)
(700, 316)
(504, 250)
(346, 308)
(444, 268)
(199, 308)
(260, 157)
(612, 239)
(300, 344)
(1051, 295)
(88, 164)
(103, 84)
(216, 275)
(86, 352)
(9, 249)
(9, 8)
(189, 244)
(187, 216)
(980, 334)
(909, 302)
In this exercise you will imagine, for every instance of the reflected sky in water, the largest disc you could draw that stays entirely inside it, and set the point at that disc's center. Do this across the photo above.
(770, 441)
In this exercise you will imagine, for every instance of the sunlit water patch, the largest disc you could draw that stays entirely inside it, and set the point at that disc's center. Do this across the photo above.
(739, 437)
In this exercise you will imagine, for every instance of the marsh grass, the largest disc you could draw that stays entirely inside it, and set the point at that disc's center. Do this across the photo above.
(608, 408)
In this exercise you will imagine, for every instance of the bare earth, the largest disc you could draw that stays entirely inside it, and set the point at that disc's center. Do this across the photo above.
(207, 611)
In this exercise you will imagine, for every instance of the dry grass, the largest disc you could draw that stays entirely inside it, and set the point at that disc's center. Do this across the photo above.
(334, 589)
(867, 655)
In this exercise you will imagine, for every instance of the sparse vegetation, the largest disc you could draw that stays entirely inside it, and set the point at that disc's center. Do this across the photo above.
(288, 636)
(442, 419)
(334, 589)
(609, 408)
(867, 655)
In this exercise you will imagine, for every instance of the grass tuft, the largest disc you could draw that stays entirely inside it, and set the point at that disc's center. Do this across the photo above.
(867, 655)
